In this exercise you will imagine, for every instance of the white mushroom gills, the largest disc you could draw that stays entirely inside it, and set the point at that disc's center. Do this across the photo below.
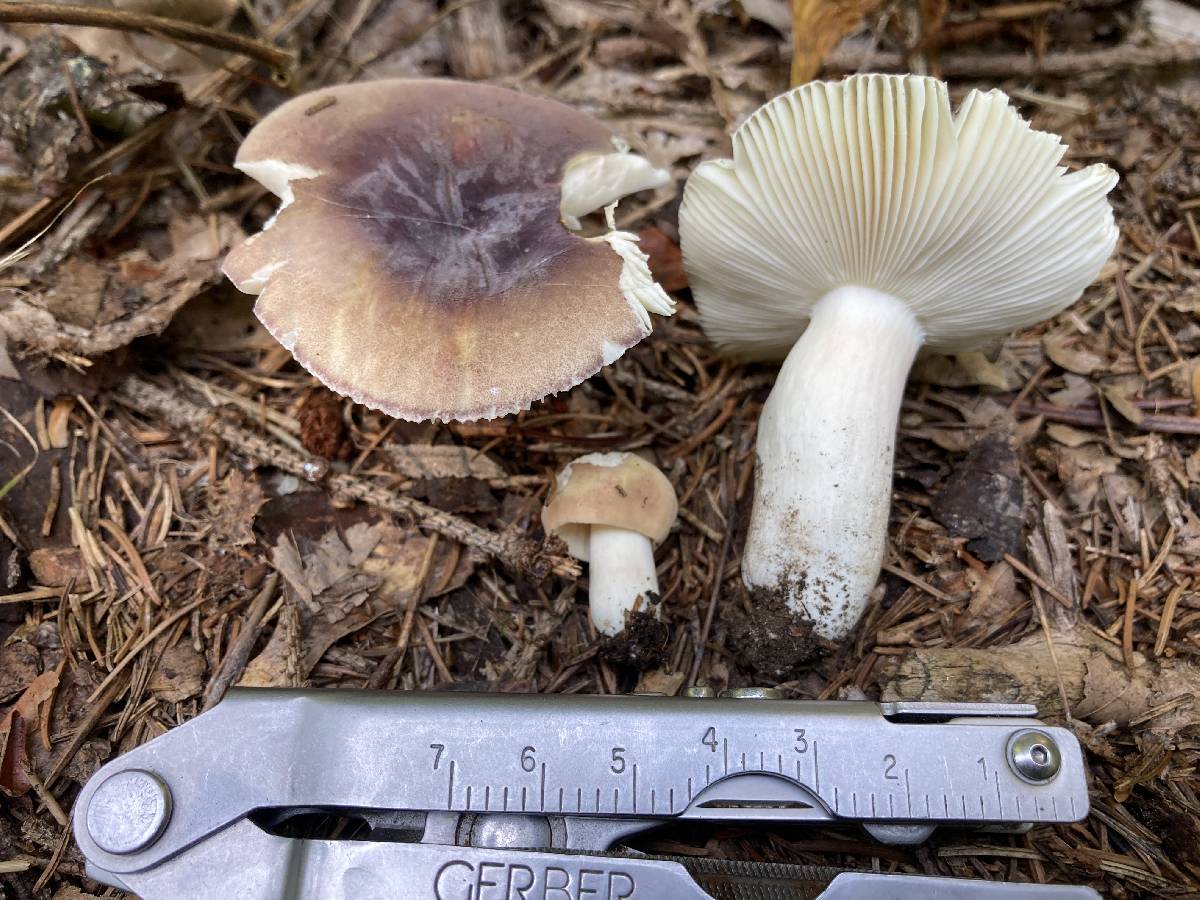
(621, 576)
(868, 213)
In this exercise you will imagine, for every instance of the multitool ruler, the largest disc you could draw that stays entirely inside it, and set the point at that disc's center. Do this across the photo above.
(528, 797)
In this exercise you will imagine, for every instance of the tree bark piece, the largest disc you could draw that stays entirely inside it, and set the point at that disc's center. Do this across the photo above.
(1097, 685)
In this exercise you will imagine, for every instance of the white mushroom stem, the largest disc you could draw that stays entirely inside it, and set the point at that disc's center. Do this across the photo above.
(825, 444)
(620, 570)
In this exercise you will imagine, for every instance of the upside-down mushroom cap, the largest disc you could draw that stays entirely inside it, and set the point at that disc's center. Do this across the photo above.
(418, 262)
(620, 490)
(968, 217)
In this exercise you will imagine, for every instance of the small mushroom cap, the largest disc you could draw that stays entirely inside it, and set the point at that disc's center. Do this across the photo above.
(970, 218)
(418, 263)
(620, 490)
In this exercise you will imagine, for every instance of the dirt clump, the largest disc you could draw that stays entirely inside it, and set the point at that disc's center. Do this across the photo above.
(771, 640)
(641, 644)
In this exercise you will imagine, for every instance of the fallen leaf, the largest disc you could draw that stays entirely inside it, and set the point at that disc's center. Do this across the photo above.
(1073, 359)
(20, 664)
(817, 26)
(968, 369)
(994, 595)
(233, 505)
(24, 718)
(659, 682)
(1071, 437)
(179, 675)
(56, 566)
(442, 461)
(1123, 405)
(342, 586)
(983, 499)
(666, 259)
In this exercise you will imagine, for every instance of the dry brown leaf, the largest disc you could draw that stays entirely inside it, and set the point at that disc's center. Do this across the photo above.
(817, 26)
(443, 461)
(1123, 405)
(233, 505)
(660, 682)
(995, 595)
(24, 718)
(965, 370)
(342, 586)
(180, 674)
(95, 305)
(1074, 359)
(1071, 437)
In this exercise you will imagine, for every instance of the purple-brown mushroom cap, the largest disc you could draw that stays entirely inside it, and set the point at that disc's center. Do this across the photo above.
(418, 263)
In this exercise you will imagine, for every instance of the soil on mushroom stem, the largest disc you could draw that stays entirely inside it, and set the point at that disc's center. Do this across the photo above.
(641, 645)
(769, 638)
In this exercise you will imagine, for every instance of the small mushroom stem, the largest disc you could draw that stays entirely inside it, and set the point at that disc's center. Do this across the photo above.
(620, 570)
(826, 439)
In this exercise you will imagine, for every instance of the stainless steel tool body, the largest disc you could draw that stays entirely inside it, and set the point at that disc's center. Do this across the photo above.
(461, 774)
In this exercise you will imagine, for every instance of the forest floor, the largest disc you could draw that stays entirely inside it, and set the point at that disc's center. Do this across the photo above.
(183, 508)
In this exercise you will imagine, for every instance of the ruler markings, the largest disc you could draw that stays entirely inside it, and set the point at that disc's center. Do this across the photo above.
(707, 778)
(1018, 806)
(671, 799)
(762, 761)
(560, 799)
(946, 803)
(468, 797)
(597, 799)
(635, 787)
(908, 791)
(873, 803)
(816, 771)
(835, 798)
(506, 798)
(780, 763)
(616, 796)
(928, 811)
(450, 787)
(891, 806)
(964, 805)
(651, 801)
(725, 751)
(743, 762)
(689, 790)
(982, 807)
(578, 799)
(487, 797)
(523, 793)
(854, 800)
(1073, 813)
(999, 798)
(542, 789)
(1054, 805)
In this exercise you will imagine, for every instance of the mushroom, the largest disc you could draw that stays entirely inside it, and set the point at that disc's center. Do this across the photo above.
(612, 509)
(419, 261)
(857, 222)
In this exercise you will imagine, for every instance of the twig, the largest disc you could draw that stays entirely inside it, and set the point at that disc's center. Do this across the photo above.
(1004, 65)
(1094, 418)
(123, 20)
(1039, 581)
(518, 553)
(235, 658)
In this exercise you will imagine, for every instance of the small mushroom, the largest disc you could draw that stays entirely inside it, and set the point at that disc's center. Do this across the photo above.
(419, 261)
(612, 509)
(857, 222)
